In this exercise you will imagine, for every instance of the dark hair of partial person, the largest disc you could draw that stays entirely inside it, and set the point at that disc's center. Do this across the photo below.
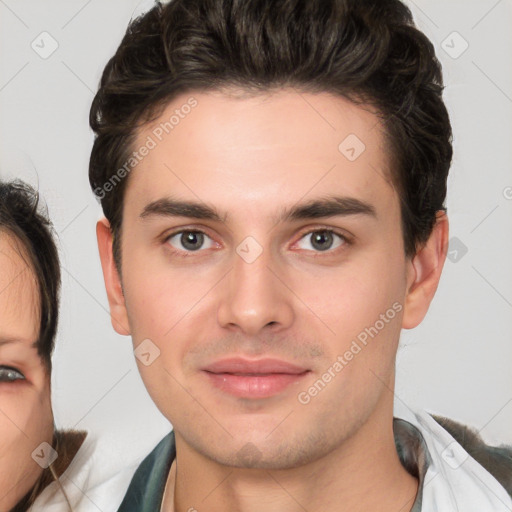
(66, 443)
(369, 52)
(22, 217)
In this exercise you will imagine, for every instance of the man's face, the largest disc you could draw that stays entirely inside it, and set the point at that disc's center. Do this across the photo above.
(255, 285)
(26, 418)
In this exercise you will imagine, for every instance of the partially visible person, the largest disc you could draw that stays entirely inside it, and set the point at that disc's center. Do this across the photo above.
(29, 288)
(41, 467)
(29, 303)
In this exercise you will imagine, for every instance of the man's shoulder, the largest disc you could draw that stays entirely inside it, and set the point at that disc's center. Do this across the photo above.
(148, 483)
(497, 460)
(458, 470)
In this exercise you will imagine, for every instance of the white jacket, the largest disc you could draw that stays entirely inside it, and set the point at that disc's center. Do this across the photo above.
(454, 480)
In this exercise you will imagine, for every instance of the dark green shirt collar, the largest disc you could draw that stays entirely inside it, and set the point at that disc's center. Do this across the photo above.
(147, 487)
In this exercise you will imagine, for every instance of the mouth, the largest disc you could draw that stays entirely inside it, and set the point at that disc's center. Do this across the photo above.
(245, 378)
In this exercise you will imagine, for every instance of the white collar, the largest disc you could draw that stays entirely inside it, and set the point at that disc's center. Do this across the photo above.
(454, 481)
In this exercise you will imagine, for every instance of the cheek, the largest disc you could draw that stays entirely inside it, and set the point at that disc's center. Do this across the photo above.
(29, 411)
(159, 298)
(362, 305)
(353, 296)
(26, 422)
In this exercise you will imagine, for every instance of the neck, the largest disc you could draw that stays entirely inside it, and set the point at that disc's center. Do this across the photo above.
(364, 473)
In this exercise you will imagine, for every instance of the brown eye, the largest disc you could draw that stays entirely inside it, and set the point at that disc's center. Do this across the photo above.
(8, 374)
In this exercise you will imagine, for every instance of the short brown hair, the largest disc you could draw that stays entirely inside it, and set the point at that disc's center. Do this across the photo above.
(367, 51)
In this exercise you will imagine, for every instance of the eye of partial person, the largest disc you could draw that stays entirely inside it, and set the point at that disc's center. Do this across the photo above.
(9, 374)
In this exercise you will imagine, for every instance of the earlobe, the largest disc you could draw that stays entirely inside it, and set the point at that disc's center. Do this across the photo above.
(118, 313)
(425, 272)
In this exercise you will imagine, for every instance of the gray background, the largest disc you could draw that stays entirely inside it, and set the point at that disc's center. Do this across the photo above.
(456, 363)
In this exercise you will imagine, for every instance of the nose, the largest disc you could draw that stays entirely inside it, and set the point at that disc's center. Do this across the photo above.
(255, 296)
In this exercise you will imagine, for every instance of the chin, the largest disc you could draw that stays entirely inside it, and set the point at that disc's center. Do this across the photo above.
(264, 452)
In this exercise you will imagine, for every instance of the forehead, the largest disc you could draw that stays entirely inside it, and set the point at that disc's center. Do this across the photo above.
(272, 148)
(19, 296)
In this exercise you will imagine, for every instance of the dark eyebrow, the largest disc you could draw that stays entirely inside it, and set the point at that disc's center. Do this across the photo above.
(169, 207)
(318, 208)
(331, 206)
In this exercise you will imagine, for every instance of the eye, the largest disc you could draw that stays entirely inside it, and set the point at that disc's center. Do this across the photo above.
(190, 240)
(8, 374)
(322, 240)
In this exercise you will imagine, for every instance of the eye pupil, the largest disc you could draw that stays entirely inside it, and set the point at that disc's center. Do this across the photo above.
(192, 240)
(320, 237)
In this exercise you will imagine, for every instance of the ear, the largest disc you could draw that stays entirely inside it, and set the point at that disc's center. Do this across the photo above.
(424, 272)
(118, 314)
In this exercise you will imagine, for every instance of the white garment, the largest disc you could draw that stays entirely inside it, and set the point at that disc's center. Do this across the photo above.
(95, 481)
(454, 481)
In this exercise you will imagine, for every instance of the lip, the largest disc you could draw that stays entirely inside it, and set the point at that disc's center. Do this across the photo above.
(247, 378)
(253, 366)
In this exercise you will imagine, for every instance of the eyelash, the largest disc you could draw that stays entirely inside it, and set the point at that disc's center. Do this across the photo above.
(185, 254)
(8, 369)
